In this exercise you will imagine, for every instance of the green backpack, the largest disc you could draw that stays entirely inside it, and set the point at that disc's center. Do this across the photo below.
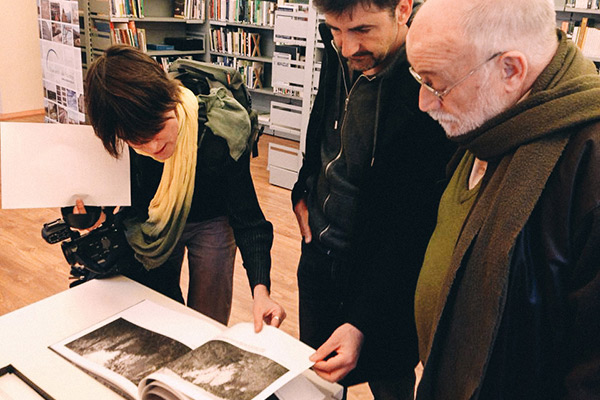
(200, 77)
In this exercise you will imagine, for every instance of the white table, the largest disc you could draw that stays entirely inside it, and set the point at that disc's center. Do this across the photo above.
(26, 333)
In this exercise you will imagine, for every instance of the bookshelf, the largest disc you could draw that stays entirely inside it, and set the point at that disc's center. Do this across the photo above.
(240, 34)
(165, 29)
(246, 47)
(580, 19)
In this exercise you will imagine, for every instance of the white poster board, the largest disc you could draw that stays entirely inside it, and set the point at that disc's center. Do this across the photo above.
(51, 165)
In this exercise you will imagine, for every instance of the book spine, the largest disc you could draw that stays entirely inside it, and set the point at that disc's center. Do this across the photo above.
(582, 32)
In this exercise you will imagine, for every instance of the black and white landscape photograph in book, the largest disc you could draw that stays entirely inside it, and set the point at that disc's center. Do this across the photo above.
(127, 349)
(145, 353)
(227, 371)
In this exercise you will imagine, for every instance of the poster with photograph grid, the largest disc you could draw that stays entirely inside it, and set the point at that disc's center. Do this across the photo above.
(60, 42)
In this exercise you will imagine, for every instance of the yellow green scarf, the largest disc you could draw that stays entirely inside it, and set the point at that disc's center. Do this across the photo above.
(154, 239)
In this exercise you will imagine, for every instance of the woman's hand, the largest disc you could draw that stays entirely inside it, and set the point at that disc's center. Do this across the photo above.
(80, 209)
(266, 309)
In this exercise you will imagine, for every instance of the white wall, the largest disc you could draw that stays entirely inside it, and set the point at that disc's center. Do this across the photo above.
(21, 87)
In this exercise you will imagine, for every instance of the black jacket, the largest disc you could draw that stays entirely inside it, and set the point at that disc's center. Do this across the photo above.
(548, 344)
(395, 216)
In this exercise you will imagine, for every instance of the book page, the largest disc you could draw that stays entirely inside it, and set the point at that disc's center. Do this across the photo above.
(239, 364)
(122, 350)
(300, 388)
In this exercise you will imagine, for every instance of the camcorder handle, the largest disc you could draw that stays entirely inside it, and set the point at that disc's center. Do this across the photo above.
(84, 221)
(94, 254)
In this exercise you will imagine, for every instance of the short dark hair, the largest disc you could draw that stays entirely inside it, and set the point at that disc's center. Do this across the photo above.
(127, 96)
(338, 7)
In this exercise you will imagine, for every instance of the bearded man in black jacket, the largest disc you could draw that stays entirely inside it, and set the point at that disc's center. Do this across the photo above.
(366, 200)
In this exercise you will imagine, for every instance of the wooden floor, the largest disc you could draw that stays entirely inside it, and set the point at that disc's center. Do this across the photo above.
(31, 269)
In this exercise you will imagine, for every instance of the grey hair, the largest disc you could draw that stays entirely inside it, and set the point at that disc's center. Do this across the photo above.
(528, 26)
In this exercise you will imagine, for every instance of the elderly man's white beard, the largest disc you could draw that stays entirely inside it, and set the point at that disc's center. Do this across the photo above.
(486, 105)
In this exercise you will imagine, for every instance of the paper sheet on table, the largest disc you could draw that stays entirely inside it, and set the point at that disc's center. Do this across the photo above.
(51, 165)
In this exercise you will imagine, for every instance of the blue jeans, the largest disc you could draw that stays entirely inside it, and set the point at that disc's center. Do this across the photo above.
(211, 256)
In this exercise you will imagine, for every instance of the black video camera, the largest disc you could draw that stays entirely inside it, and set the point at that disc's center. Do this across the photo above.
(91, 255)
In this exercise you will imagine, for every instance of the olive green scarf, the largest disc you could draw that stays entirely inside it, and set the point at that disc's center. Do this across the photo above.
(522, 146)
(154, 240)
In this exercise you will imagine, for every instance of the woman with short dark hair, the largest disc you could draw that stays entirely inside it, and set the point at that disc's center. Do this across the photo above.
(191, 187)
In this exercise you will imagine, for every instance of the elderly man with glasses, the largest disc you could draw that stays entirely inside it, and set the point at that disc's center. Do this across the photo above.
(508, 299)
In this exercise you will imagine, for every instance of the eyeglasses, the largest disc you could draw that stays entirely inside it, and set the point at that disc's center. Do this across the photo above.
(443, 93)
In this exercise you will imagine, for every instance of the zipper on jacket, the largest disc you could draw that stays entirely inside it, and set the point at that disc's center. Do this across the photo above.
(376, 127)
(346, 101)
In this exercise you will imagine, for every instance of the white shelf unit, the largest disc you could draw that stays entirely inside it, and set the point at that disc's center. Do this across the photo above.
(284, 163)
(296, 70)
(292, 31)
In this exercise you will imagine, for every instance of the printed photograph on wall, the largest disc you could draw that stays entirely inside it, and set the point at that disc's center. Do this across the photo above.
(61, 60)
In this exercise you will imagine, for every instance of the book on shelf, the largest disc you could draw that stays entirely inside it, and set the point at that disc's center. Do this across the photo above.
(149, 352)
(567, 28)
(252, 73)
(235, 41)
(143, 46)
(125, 33)
(166, 61)
(591, 44)
(223, 60)
(256, 12)
(192, 9)
(292, 92)
(581, 32)
(102, 26)
(179, 8)
(587, 38)
(291, 52)
(127, 8)
(189, 9)
(160, 46)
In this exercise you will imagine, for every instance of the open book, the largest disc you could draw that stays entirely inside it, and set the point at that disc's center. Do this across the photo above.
(151, 352)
